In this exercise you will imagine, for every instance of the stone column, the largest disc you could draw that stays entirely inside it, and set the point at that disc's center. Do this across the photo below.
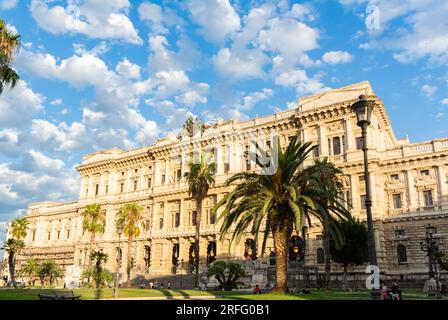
(323, 144)
(219, 162)
(411, 194)
(441, 185)
(167, 171)
(349, 139)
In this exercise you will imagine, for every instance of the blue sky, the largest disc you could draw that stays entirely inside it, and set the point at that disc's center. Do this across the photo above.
(115, 73)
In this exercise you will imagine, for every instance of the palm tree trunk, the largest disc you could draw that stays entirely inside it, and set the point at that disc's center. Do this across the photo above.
(327, 254)
(196, 241)
(91, 242)
(11, 264)
(128, 267)
(281, 232)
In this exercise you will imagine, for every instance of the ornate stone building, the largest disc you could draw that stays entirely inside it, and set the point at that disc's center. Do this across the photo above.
(409, 183)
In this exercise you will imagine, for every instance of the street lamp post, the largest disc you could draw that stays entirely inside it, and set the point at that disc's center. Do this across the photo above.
(119, 231)
(430, 246)
(363, 109)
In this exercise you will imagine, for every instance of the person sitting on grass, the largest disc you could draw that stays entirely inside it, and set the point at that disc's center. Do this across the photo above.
(395, 291)
(384, 291)
(256, 290)
(306, 290)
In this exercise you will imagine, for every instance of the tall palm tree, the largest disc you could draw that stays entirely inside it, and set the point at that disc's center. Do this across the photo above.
(30, 269)
(200, 178)
(19, 228)
(130, 218)
(332, 207)
(272, 202)
(9, 44)
(13, 247)
(94, 222)
(100, 258)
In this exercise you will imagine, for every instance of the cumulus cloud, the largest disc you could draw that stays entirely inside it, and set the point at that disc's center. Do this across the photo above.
(95, 19)
(217, 18)
(444, 101)
(128, 69)
(18, 105)
(335, 57)
(245, 65)
(300, 80)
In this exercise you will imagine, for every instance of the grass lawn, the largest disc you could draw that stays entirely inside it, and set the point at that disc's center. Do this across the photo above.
(31, 294)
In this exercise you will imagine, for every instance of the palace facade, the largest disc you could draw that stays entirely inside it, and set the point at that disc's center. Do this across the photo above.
(409, 191)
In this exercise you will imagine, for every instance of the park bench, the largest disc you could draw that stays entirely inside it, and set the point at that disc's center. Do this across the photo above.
(58, 295)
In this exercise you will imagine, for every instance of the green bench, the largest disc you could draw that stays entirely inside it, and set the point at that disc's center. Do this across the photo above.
(59, 295)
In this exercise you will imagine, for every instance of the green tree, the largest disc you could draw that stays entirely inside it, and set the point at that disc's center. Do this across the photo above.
(12, 247)
(30, 269)
(272, 203)
(326, 177)
(100, 277)
(19, 228)
(94, 222)
(49, 271)
(130, 218)
(227, 273)
(200, 177)
(354, 249)
(9, 45)
(442, 260)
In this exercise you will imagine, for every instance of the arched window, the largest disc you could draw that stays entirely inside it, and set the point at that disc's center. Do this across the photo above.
(249, 250)
(175, 256)
(296, 249)
(401, 254)
(211, 252)
(320, 256)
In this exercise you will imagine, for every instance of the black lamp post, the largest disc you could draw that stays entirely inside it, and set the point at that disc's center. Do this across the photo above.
(119, 231)
(363, 109)
(430, 247)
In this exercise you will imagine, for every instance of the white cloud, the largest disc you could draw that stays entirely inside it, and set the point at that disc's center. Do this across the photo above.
(8, 4)
(18, 105)
(93, 18)
(147, 134)
(428, 90)
(289, 37)
(128, 69)
(335, 57)
(191, 98)
(92, 117)
(217, 18)
(444, 101)
(41, 163)
(250, 100)
(245, 64)
(299, 79)
(56, 102)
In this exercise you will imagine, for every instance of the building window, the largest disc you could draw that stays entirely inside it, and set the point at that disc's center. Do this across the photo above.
(135, 185)
(359, 143)
(336, 145)
(397, 200)
(316, 151)
(212, 218)
(107, 188)
(149, 182)
(162, 205)
(177, 219)
(161, 223)
(34, 235)
(87, 192)
(363, 201)
(122, 187)
(49, 235)
(59, 235)
(318, 237)
(97, 188)
(163, 178)
(361, 178)
(122, 173)
(427, 196)
(179, 174)
(424, 172)
(399, 233)
(68, 234)
(226, 168)
(136, 170)
(394, 177)
(320, 256)
(401, 254)
(193, 218)
(147, 225)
